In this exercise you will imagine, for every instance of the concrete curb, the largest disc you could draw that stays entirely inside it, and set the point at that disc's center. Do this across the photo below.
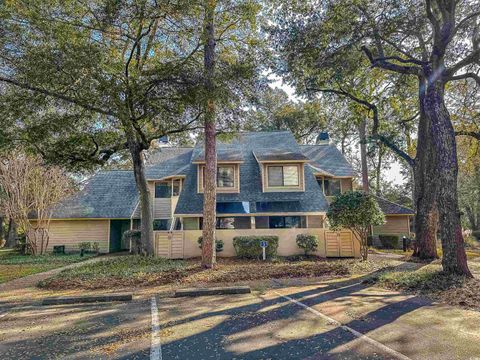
(213, 291)
(86, 299)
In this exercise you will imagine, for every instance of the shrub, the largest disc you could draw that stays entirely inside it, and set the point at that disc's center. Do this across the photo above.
(389, 241)
(249, 246)
(96, 247)
(476, 234)
(471, 242)
(218, 244)
(85, 246)
(134, 238)
(307, 242)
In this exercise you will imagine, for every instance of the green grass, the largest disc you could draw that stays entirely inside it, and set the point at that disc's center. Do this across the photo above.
(14, 266)
(425, 280)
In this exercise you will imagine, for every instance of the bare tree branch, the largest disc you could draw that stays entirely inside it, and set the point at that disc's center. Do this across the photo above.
(384, 64)
(376, 123)
(474, 134)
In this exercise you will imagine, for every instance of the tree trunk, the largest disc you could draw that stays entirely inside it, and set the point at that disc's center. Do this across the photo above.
(2, 236)
(378, 171)
(146, 227)
(426, 216)
(363, 154)
(445, 150)
(11, 234)
(210, 178)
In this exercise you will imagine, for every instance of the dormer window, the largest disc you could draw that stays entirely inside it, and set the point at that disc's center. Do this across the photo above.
(228, 178)
(279, 177)
(225, 176)
(283, 176)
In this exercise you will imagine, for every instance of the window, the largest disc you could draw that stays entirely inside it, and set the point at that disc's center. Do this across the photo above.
(287, 175)
(332, 187)
(225, 177)
(177, 186)
(161, 224)
(280, 222)
(240, 222)
(163, 190)
(191, 223)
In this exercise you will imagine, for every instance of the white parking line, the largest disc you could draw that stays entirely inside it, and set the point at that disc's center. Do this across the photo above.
(2, 315)
(156, 346)
(357, 334)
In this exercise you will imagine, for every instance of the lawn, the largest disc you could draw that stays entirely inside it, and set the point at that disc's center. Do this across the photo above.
(128, 271)
(13, 265)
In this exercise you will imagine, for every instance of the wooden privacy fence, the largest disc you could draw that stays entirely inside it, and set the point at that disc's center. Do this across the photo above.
(169, 244)
(339, 244)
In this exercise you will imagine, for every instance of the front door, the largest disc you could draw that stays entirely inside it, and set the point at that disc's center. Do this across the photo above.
(117, 228)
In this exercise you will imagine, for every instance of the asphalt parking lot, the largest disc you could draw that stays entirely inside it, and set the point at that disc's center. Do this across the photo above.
(324, 321)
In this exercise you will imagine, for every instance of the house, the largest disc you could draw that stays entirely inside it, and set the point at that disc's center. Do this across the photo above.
(267, 184)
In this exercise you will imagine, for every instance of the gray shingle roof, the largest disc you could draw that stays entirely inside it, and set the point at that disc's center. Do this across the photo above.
(391, 208)
(312, 200)
(328, 158)
(107, 195)
(113, 194)
(222, 155)
(168, 161)
(265, 155)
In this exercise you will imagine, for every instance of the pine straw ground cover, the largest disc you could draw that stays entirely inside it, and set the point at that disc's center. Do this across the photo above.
(430, 281)
(14, 266)
(135, 271)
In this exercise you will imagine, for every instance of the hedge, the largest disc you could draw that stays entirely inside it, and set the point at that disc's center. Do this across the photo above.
(218, 244)
(389, 241)
(249, 246)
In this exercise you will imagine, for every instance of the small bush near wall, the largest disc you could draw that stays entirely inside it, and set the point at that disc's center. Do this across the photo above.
(85, 246)
(389, 241)
(89, 247)
(134, 238)
(307, 242)
(249, 246)
(476, 234)
(218, 244)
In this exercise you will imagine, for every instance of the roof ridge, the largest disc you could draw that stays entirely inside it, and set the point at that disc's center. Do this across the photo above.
(112, 170)
(391, 202)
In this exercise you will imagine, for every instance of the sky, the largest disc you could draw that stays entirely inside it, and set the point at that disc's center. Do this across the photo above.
(392, 174)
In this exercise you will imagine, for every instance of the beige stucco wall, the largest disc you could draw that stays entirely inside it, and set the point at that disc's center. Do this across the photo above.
(72, 232)
(287, 241)
(394, 225)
